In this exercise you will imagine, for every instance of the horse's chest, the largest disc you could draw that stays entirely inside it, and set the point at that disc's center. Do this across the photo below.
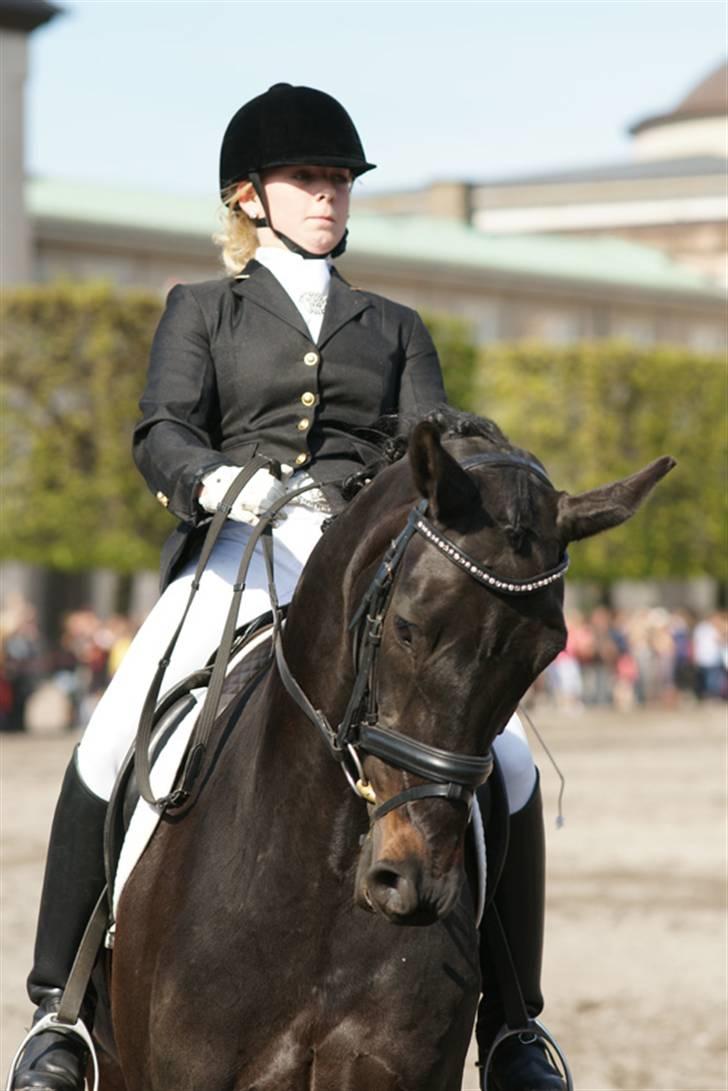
(390, 1010)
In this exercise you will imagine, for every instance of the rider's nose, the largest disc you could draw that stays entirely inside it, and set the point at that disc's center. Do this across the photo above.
(325, 188)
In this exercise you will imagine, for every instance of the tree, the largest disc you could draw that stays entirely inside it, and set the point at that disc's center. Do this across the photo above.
(458, 358)
(597, 412)
(74, 358)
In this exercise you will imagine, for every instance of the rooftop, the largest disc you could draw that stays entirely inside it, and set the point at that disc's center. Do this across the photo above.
(629, 170)
(608, 260)
(710, 95)
(418, 240)
(26, 15)
(709, 98)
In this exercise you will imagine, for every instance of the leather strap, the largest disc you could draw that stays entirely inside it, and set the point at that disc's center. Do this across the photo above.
(406, 752)
(84, 962)
(456, 792)
(198, 744)
(296, 693)
(501, 458)
(514, 1006)
(142, 766)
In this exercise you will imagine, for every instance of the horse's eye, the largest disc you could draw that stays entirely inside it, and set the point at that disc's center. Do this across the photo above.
(403, 629)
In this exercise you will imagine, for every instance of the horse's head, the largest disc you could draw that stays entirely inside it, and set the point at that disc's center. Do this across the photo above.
(472, 616)
(447, 569)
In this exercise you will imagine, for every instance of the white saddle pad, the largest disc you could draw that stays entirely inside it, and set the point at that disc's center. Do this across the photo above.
(145, 819)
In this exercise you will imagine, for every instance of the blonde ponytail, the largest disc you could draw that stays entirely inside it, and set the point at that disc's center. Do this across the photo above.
(237, 237)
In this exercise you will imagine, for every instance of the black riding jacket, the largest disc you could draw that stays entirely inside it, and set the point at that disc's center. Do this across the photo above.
(234, 372)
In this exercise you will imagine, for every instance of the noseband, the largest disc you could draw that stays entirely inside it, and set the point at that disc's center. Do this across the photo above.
(450, 775)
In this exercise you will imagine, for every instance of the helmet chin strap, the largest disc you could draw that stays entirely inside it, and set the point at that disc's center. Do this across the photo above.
(264, 221)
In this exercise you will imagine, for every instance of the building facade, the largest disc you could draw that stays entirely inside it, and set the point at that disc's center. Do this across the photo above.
(546, 287)
(635, 252)
(671, 195)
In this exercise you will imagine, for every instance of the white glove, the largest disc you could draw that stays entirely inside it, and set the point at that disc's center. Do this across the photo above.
(256, 497)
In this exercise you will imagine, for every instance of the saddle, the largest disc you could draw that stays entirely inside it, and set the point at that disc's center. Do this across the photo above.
(227, 682)
(250, 657)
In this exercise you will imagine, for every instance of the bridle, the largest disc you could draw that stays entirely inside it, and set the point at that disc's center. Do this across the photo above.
(449, 774)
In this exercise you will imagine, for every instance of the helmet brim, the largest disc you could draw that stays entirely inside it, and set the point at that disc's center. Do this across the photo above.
(357, 168)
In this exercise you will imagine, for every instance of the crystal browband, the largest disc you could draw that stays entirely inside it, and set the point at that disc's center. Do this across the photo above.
(508, 587)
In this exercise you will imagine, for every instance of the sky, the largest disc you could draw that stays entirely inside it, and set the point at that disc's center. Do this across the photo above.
(138, 93)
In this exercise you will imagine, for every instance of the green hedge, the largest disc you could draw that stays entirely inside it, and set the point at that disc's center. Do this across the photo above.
(599, 411)
(74, 359)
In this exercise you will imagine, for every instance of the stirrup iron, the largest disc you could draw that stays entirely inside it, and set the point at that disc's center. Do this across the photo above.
(51, 1022)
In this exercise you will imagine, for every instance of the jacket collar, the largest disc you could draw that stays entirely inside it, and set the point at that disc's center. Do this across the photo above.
(343, 304)
(259, 284)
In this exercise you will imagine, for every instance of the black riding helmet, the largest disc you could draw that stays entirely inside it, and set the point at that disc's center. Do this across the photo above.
(286, 126)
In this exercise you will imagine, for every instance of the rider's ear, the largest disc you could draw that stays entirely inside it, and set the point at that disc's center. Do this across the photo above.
(591, 512)
(438, 477)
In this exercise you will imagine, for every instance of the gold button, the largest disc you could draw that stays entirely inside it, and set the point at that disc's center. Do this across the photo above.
(308, 398)
(311, 359)
(163, 500)
(300, 459)
(303, 424)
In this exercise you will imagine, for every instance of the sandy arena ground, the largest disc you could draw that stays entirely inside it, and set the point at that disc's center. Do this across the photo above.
(635, 974)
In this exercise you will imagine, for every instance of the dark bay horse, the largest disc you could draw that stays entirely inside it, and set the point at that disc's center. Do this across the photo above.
(255, 947)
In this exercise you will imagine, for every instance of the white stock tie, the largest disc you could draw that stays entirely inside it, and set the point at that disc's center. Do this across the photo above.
(306, 280)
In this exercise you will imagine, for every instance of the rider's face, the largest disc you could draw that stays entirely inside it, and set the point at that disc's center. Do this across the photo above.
(309, 204)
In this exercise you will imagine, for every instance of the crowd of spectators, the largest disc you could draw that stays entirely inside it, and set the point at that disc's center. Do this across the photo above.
(626, 658)
(75, 668)
(621, 659)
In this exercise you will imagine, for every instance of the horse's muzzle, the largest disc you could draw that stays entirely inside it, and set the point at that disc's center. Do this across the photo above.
(402, 891)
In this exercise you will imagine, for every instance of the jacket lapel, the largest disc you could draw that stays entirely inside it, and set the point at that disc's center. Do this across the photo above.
(258, 283)
(343, 304)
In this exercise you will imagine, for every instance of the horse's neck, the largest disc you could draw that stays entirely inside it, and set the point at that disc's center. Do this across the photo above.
(295, 788)
(292, 760)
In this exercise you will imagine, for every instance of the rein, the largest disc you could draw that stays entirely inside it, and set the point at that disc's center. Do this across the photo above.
(203, 727)
(451, 775)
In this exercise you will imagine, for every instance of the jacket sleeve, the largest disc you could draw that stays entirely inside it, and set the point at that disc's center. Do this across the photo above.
(421, 385)
(175, 442)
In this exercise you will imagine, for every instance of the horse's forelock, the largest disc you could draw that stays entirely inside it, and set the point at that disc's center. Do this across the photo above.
(390, 437)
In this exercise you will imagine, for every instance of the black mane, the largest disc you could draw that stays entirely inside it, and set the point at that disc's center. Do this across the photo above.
(388, 437)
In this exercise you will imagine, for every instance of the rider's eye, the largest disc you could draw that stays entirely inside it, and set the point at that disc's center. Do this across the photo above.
(403, 629)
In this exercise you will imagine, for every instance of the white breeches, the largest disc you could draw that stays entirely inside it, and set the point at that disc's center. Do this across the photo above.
(112, 727)
(516, 763)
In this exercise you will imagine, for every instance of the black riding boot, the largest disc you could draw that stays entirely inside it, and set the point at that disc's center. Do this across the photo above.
(74, 879)
(520, 1063)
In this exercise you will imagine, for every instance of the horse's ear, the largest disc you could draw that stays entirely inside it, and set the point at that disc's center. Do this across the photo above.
(438, 477)
(592, 512)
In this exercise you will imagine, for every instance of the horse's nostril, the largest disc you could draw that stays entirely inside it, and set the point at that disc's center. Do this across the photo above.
(391, 891)
(385, 878)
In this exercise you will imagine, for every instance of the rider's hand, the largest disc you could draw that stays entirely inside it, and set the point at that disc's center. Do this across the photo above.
(253, 500)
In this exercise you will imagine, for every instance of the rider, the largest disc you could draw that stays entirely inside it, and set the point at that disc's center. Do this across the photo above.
(281, 358)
